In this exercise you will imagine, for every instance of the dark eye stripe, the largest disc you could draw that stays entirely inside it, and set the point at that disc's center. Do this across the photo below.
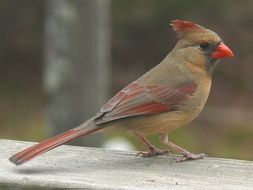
(218, 43)
(204, 45)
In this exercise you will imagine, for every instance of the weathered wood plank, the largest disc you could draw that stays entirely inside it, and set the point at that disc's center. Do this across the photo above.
(93, 168)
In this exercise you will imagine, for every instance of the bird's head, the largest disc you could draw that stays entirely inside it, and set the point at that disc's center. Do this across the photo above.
(198, 46)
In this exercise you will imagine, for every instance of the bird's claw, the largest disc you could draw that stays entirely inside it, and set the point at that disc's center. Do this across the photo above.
(190, 156)
(153, 152)
(143, 154)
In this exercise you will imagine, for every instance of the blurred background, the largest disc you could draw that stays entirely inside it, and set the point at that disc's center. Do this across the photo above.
(62, 59)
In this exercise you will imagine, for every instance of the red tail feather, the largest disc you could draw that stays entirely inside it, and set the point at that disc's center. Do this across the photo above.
(44, 146)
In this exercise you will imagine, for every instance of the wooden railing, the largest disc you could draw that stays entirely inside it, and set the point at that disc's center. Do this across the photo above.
(95, 168)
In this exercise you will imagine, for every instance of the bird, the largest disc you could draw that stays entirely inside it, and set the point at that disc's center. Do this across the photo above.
(167, 97)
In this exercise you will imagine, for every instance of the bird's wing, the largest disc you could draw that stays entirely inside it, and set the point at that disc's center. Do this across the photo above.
(136, 99)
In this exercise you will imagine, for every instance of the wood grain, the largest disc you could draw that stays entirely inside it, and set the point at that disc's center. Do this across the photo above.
(94, 168)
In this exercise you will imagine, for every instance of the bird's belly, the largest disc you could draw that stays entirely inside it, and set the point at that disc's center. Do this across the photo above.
(160, 123)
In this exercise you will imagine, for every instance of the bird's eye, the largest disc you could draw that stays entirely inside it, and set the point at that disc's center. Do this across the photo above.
(204, 45)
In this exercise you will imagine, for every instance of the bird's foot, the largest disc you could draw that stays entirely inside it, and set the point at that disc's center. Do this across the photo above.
(190, 156)
(153, 151)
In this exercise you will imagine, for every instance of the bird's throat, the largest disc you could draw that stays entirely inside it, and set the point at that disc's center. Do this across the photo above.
(210, 65)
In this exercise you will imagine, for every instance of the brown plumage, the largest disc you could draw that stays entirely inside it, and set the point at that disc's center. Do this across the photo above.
(167, 97)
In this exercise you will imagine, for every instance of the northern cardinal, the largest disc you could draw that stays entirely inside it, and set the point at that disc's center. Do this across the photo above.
(167, 97)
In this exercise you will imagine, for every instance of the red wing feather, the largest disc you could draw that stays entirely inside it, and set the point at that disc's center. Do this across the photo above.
(136, 99)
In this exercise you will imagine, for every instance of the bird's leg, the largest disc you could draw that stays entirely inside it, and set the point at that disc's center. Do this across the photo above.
(152, 149)
(186, 155)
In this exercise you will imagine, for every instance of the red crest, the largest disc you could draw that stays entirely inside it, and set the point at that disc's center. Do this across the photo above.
(182, 25)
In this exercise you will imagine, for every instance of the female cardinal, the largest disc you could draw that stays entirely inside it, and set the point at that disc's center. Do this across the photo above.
(167, 97)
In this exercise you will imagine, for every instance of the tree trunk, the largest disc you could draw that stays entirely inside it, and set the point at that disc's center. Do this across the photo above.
(77, 69)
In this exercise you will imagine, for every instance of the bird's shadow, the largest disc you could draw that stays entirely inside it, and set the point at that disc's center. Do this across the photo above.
(38, 170)
(98, 165)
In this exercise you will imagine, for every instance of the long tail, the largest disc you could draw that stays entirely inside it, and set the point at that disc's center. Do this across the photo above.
(46, 145)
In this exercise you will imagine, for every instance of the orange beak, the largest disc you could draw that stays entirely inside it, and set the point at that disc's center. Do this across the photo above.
(222, 51)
